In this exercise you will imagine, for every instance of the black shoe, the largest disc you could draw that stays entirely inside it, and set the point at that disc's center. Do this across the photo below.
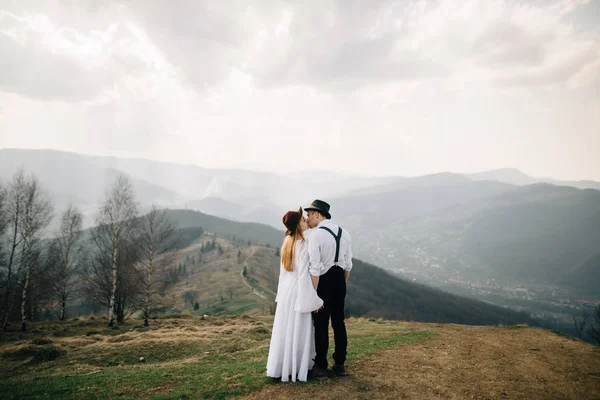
(339, 370)
(318, 373)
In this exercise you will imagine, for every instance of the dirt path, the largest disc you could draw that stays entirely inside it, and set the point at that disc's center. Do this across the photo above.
(262, 296)
(466, 363)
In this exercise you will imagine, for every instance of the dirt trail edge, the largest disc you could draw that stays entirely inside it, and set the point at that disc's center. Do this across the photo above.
(244, 278)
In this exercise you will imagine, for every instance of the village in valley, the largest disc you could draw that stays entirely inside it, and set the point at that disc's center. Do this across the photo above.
(460, 275)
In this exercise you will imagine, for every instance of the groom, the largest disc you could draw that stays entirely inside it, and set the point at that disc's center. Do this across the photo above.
(330, 262)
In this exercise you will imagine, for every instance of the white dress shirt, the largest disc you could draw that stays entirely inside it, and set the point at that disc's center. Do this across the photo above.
(321, 249)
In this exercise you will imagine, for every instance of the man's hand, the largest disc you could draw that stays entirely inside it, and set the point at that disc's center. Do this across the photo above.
(315, 281)
(346, 275)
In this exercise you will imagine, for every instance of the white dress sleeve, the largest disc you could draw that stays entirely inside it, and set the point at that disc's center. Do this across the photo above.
(280, 284)
(307, 299)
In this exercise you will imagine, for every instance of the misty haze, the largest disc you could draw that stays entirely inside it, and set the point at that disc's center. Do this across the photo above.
(149, 151)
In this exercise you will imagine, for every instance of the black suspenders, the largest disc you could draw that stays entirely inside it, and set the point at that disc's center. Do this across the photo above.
(337, 238)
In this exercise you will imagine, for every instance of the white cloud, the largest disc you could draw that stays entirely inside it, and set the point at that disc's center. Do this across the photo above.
(404, 87)
(50, 62)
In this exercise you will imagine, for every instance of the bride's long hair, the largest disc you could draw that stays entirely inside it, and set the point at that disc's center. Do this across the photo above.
(289, 248)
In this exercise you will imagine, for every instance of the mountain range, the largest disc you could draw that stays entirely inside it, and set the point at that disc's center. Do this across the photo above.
(516, 177)
(481, 230)
(216, 279)
(232, 193)
(501, 226)
(451, 228)
(69, 174)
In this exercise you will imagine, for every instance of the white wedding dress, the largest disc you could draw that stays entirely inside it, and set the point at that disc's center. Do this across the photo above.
(292, 348)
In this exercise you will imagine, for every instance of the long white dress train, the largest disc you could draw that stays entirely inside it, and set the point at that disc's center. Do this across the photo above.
(292, 348)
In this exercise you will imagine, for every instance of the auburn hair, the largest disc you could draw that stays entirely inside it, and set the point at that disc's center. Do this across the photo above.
(289, 249)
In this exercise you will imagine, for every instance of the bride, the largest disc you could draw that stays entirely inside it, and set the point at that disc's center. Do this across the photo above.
(292, 348)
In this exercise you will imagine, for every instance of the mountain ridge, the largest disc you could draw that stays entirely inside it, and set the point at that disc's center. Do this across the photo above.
(372, 292)
(517, 177)
(398, 223)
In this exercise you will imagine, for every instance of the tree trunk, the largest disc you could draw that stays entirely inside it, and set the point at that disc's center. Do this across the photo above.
(24, 298)
(113, 292)
(148, 287)
(120, 311)
(7, 296)
(63, 308)
(65, 283)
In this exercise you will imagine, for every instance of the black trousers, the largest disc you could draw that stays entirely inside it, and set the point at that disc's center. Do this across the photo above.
(332, 289)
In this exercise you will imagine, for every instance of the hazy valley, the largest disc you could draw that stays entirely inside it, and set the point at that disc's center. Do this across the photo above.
(499, 236)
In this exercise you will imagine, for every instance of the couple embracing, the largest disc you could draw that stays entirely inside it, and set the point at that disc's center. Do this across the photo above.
(316, 259)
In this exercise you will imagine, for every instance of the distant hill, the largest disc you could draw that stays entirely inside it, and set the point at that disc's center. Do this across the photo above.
(247, 231)
(447, 228)
(369, 209)
(515, 177)
(73, 178)
(188, 182)
(540, 233)
(506, 175)
(372, 292)
(535, 234)
(251, 210)
(376, 217)
(402, 183)
(396, 222)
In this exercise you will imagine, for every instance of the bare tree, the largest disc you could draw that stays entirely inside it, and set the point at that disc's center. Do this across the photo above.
(40, 291)
(15, 197)
(37, 213)
(129, 291)
(66, 251)
(189, 297)
(594, 329)
(3, 215)
(580, 322)
(115, 223)
(157, 238)
(98, 278)
(170, 276)
(3, 224)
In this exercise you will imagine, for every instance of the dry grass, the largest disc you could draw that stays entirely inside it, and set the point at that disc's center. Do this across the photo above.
(466, 362)
(218, 357)
(215, 357)
(217, 280)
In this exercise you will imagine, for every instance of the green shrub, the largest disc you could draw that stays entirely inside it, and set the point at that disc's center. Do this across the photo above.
(41, 341)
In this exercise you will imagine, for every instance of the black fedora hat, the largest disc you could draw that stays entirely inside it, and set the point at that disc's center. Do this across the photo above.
(320, 206)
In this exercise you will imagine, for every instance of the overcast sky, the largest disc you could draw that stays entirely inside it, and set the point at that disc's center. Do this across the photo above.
(362, 87)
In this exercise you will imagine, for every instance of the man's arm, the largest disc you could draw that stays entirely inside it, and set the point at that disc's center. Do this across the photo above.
(315, 266)
(348, 258)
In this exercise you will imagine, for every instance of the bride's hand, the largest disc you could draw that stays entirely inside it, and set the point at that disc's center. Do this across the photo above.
(318, 309)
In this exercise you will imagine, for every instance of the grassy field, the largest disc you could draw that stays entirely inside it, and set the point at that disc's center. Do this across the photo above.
(184, 357)
(222, 355)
